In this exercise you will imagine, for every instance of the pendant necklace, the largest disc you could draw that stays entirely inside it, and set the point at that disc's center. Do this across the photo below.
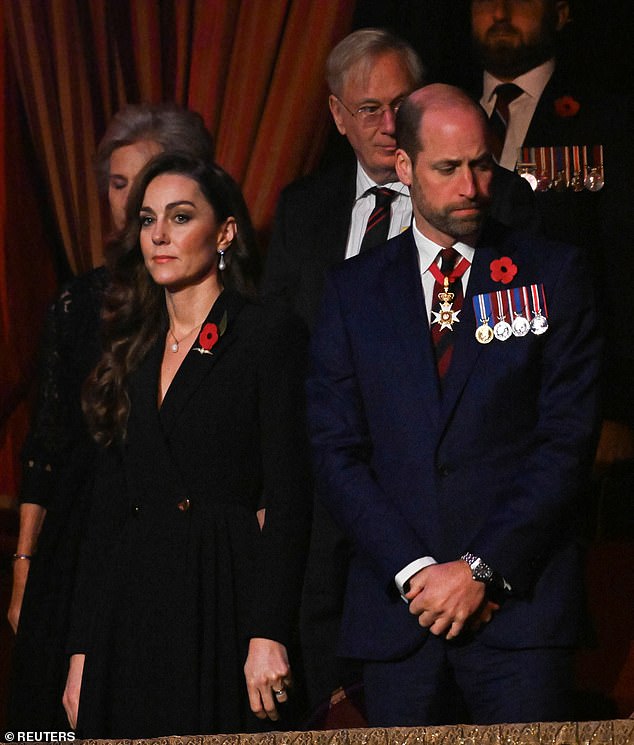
(175, 345)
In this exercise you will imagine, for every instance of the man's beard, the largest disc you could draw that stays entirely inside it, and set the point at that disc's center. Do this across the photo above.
(456, 226)
(506, 60)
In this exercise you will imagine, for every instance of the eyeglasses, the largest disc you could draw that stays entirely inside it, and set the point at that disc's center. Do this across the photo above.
(371, 114)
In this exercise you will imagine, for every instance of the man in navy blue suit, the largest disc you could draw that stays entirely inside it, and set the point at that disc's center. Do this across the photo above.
(452, 404)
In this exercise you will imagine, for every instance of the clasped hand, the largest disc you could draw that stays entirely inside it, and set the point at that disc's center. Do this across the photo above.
(268, 675)
(447, 599)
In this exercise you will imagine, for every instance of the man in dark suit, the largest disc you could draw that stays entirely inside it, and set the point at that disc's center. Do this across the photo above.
(321, 220)
(453, 459)
(553, 110)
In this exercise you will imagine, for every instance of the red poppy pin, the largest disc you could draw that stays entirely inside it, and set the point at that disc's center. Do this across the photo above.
(209, 335)
(566, 107)
(503, 270)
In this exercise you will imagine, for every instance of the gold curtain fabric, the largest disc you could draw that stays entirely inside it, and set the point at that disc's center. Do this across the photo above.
(616, 732)
(254, 69)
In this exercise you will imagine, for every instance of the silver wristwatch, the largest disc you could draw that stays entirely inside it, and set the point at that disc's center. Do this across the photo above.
(479, 570)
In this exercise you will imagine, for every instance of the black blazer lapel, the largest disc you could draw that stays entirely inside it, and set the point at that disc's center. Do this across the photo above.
(198, 364)
(547, 128)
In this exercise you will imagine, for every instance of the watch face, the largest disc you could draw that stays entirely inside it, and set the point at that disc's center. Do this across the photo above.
(483, 573)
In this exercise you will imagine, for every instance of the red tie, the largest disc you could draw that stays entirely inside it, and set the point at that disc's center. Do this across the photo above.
(445, 309)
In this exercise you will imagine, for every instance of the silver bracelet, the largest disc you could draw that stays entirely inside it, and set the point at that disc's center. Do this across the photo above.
(17, 557)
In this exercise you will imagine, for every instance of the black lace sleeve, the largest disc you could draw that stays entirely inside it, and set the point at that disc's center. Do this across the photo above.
(69, 350)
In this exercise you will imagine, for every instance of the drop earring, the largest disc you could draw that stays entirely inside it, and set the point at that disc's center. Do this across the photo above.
(221, 260)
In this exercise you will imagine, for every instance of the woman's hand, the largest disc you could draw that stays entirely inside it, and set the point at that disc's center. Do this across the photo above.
(70, 699)
(267, 674)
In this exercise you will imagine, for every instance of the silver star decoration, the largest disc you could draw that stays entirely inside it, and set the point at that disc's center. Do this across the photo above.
(446, 317)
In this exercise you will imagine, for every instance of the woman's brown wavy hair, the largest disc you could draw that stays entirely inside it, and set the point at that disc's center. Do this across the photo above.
(134, 314)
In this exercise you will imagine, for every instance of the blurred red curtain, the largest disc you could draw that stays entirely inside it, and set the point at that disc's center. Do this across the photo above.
(253, 68)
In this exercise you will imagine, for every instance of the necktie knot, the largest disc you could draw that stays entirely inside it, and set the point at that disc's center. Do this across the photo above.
(377, 228)
(506, 93)
(383, 196)
(448, 258)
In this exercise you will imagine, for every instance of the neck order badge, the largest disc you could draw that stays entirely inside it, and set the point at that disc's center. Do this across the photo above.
(449, 293)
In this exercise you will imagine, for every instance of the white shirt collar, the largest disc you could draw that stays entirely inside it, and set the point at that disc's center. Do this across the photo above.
(364, 182)
(532, 82)
(428, 250)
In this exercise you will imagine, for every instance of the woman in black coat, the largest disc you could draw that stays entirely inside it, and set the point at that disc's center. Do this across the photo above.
(58, 456)
(191, 570)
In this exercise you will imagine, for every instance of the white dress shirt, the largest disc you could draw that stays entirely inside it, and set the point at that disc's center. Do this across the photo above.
(521, 110)
(401, 210)
(428, 253)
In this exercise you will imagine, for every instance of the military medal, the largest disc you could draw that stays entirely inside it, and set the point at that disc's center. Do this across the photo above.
(594, 180)
(484, 333)
(519, 303)
(544, 173)
(446, 316)
(560, 180)
(577, 180)
(539, 322)
(502, 330)
(520, 325)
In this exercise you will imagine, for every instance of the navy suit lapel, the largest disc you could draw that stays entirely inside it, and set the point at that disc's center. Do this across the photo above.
(403, 292)
(197, 365)
(466, 348)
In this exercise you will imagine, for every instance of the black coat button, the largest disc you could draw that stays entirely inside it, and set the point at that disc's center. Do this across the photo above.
(136, 509)
(443, 470)
(184, 505)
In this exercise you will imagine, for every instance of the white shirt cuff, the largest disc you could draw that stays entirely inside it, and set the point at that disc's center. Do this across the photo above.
(410, 570)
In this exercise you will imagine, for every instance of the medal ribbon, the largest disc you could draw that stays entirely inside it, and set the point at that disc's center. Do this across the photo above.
(538, 298)
(482, 307)
(457, 272)
(502, 310)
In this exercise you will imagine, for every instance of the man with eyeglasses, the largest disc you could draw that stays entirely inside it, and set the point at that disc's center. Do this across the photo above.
(332, 215)
(369, 73)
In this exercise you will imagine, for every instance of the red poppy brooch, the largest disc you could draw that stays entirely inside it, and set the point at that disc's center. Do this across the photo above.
(566, 107)
(503, 270)
(209, 335)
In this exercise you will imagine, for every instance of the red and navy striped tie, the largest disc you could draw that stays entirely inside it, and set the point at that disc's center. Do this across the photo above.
(378, 226)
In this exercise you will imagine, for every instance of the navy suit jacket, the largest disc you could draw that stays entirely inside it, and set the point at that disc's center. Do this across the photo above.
(492, 466)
